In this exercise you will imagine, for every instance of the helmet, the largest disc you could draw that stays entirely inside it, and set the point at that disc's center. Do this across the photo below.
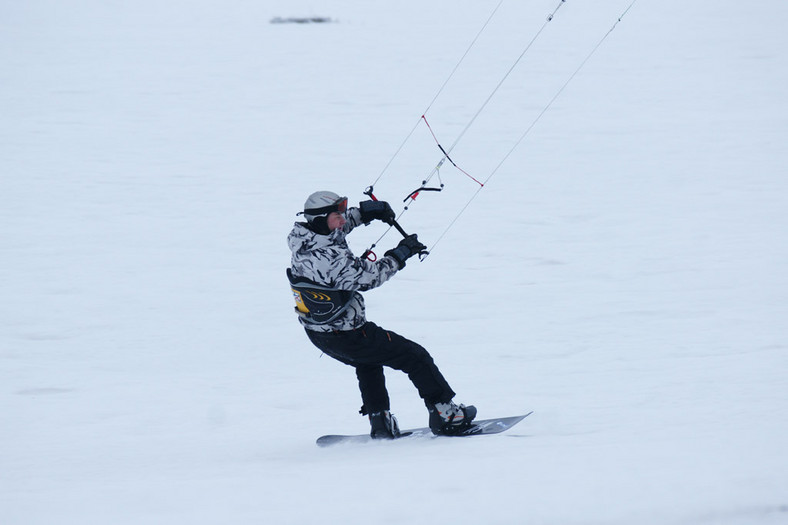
(321, 203)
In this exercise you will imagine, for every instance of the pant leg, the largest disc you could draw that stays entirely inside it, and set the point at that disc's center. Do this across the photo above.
(372, 384)
(352, 348)
(400, 353)
(371, 347)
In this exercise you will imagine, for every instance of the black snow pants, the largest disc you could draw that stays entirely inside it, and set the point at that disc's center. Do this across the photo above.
(370, 348)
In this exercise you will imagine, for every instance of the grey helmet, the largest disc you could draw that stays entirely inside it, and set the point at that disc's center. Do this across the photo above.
(321, 203)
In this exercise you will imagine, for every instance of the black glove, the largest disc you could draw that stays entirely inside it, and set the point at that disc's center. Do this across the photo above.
(407, 248)
(371, 210)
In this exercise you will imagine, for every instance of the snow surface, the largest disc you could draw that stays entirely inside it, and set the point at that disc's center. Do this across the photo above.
(623, 274)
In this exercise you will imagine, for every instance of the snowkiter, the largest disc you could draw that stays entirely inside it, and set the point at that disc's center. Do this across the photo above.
(326, 278)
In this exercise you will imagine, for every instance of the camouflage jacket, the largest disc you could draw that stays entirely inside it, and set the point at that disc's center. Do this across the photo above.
(327, 260)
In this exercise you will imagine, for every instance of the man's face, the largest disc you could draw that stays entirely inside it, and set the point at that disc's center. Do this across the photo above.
(335, 220)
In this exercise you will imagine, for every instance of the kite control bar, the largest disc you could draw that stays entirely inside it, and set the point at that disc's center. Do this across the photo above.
(369, 254)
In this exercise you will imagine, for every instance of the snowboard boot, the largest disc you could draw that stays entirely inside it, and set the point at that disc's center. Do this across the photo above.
(448, 419)
(384, 425)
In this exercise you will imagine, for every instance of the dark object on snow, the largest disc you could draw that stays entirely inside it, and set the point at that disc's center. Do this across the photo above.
(302, 20)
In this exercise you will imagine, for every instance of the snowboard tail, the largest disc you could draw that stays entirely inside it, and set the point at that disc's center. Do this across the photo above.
(478, 428)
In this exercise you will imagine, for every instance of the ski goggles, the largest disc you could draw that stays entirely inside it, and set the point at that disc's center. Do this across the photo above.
(338, 206)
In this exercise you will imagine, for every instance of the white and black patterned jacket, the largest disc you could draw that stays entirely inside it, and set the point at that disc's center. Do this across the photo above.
(327, 260)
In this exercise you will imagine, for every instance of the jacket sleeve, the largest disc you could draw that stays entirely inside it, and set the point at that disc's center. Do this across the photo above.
(352, 218)
(348, 272)
(360, 274)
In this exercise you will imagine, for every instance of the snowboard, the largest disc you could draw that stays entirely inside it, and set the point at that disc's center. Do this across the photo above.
(478, 428)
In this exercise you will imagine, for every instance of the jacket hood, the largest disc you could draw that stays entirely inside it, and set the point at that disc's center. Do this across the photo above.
(304, 239)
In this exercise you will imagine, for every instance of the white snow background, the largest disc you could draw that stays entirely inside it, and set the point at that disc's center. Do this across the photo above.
(623, 274)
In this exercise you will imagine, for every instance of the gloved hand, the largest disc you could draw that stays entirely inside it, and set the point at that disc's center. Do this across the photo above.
(407, 248)
(371, 210)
